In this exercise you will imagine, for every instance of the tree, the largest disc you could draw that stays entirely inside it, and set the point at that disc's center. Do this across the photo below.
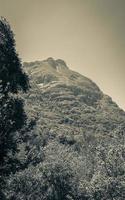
(12, 114)
(58, 177)
(11, 75)
(108, 179)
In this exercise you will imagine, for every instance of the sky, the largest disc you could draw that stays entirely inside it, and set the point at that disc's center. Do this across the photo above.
(88, 34)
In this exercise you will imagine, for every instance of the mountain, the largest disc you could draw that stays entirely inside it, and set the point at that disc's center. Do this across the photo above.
(70, 101)
(76, 149)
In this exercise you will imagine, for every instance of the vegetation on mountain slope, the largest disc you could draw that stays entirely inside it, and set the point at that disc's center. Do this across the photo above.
(78, 149)
(73, 144)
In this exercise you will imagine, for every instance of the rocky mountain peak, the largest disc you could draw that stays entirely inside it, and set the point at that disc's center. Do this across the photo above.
(59, 63)
(54, 72)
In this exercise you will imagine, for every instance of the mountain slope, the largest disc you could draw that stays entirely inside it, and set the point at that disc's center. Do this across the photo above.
(71, 100)
(76, 150)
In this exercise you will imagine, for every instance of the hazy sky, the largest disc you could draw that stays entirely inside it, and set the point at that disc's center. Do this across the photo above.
(88, 34)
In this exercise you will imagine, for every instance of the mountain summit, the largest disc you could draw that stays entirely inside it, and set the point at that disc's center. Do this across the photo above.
(55, 77)
(51, 70)
(70, 101)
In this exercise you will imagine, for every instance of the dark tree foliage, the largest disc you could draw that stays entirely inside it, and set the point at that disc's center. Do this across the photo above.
(11, 75)
(12, 114)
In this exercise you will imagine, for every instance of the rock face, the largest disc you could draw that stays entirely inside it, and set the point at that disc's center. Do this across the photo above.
(69, 104)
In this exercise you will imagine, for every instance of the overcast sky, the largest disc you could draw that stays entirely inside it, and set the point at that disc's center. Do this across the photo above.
(88, 34)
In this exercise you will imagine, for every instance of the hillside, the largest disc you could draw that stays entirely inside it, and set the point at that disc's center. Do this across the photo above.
(71, 102)
(76, 149)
